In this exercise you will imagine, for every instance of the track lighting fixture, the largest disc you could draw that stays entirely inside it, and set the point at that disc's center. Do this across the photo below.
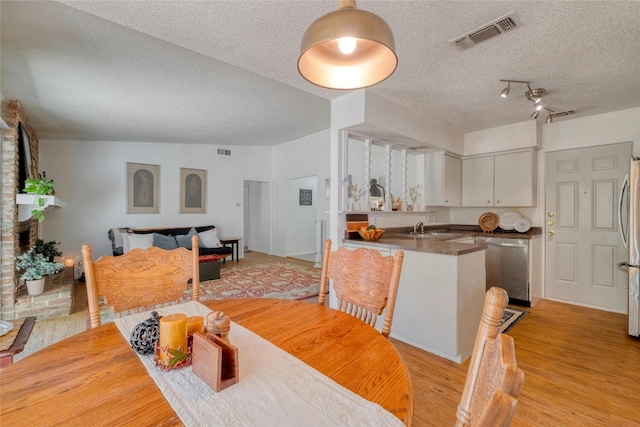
(535, 96)
(505, 91)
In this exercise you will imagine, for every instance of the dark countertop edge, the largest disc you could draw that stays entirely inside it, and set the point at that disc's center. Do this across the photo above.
(436, 246)
(431, 246)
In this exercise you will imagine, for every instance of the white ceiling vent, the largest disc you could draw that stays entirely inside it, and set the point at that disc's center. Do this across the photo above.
(494, 28)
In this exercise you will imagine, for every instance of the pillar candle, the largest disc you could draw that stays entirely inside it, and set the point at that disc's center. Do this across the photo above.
(173, 332)
(195, 324)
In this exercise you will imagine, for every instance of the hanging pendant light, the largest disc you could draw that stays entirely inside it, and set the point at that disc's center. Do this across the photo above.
(347, 49)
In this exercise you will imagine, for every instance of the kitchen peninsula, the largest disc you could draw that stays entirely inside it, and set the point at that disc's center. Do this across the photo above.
(441, 291)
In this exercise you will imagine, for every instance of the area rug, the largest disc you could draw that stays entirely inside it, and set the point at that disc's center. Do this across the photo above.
(510, 317)
(269, 280)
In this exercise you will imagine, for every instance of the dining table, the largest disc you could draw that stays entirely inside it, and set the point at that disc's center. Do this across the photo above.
(96, 378)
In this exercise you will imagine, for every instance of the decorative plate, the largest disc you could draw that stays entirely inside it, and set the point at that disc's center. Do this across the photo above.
(5, 327)
(522, 225)
(488, 221)
(508, 218)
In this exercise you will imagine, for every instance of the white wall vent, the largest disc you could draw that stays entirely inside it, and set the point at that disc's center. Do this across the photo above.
(224, 152)
(494, 28)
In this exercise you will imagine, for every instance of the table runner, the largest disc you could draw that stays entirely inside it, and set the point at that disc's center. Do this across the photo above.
(274, 388)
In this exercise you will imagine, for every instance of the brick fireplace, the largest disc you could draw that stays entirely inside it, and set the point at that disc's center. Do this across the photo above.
(18, 236)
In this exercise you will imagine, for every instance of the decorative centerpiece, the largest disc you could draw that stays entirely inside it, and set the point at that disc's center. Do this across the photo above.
(34, 268)
(146, 334)
(172, 350)
(215, 360)
(356, 194)
(370, 232)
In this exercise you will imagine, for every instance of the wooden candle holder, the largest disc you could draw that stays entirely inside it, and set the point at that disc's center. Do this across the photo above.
(215, 361)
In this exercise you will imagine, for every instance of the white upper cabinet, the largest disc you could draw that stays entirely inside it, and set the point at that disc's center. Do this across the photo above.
(500, 180)
(515, 182)
(443, 180)
(477, 181)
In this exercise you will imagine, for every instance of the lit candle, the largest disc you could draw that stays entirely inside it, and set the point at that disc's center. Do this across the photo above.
(173, 332)
(68, 262)
(195, 324)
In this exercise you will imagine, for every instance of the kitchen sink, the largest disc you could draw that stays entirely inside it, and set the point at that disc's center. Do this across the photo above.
(430, 235)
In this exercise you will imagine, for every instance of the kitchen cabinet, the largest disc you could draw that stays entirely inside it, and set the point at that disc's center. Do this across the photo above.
(443, 180)
(507, 180)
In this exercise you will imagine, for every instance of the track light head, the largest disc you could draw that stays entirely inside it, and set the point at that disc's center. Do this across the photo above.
(535, 115)
(505, 91)
(549, 118)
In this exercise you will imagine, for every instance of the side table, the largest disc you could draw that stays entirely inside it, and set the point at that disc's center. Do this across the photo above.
(6, 356)
(233, 241)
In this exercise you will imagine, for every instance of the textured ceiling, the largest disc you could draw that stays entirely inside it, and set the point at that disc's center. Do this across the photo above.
(224, 72)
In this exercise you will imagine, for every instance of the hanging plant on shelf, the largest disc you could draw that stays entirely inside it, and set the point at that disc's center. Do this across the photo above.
(40, 187)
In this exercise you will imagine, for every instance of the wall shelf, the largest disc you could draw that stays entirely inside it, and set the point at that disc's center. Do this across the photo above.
(27, 202)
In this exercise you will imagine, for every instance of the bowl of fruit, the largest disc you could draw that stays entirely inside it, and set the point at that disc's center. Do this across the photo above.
(370, 232)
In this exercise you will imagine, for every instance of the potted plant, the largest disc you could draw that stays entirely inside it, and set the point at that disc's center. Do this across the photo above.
(414, 194)
(33, 268)
(356, 194)
(40, 187)
(49, 250)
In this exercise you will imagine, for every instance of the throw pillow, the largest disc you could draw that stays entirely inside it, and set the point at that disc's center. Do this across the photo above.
(164, 242)
(184, 240)
(125, 242)
(209, 239)
(142, 241)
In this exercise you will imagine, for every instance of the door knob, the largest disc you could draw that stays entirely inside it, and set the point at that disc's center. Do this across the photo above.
(550, 222)
(550, 214)
(550, 232)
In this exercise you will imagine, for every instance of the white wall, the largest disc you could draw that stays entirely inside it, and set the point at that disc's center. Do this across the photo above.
(301, 219)
(304, 157)
(392, 117)
(503, 138)
(90, 177)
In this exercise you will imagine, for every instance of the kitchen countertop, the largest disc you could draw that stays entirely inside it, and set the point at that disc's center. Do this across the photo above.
(399, 238)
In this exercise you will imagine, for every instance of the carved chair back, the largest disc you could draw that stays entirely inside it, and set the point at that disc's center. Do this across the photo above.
(364, 281)
(494, 381)
(140, 279)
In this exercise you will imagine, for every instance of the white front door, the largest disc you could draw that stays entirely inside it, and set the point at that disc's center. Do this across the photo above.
(583, 245)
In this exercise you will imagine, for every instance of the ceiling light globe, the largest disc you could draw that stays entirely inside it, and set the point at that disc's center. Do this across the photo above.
(322, 62)
(347, 45)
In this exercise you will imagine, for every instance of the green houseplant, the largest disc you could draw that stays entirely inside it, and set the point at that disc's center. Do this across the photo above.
(40, 187)
(33, 268)
(49, 249)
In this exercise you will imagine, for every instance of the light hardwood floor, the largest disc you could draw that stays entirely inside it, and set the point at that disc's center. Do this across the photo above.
(581, 368)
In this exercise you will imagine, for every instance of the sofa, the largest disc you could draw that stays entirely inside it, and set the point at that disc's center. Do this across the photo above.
(210, 249)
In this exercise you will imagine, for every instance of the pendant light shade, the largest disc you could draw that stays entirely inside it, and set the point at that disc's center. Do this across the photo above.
(347, 49)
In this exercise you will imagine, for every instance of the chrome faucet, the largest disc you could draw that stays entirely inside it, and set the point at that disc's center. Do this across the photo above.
(421, 225)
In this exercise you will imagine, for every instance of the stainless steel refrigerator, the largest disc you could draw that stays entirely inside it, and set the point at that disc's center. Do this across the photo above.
(630, 211)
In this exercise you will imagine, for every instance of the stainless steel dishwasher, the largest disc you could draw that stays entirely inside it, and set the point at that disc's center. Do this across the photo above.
(507, 266)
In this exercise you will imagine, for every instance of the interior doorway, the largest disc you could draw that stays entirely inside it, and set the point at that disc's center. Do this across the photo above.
(582, 244)
(257, 216)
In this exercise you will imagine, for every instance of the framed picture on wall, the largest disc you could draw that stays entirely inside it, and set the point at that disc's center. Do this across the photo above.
(193, 190)
(306, 198)
(143, 188)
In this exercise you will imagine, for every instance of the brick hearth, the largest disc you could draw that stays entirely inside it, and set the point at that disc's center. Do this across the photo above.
(56, 301)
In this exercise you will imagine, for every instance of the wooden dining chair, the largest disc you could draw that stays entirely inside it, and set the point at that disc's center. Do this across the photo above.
(140, 279)
(493, 381)
(364, 281)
